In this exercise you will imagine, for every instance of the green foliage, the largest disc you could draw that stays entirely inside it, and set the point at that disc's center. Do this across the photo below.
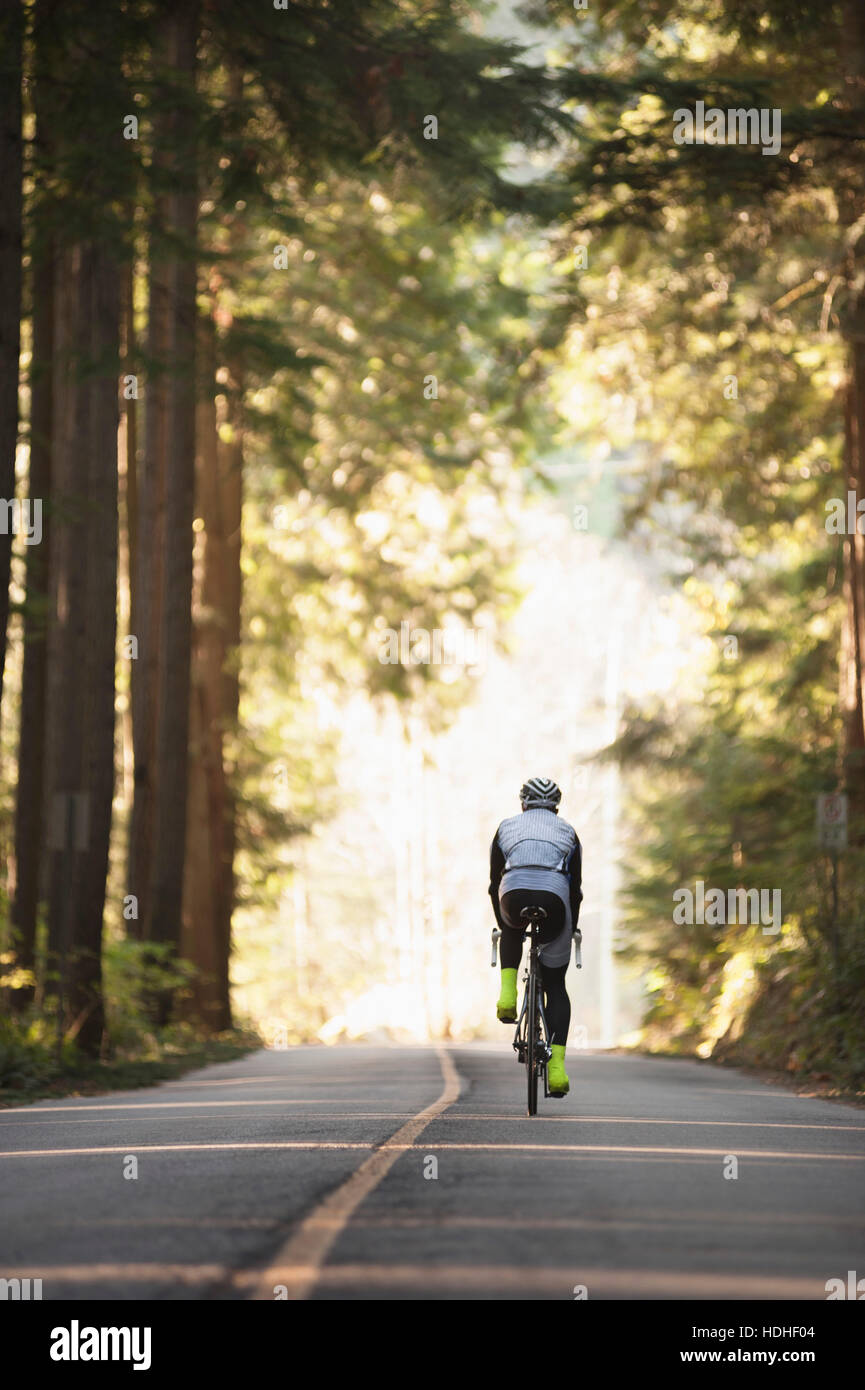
(28, 1055)
(721, 331)
(134, 973)
(406, 258)
(30, 1067)
(807, 1017)
(369, 499)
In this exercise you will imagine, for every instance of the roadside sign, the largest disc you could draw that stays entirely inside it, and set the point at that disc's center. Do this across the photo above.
(832, 821)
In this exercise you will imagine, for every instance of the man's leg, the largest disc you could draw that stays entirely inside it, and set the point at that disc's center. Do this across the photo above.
(557, 1007)
(510, 954)
(513, 935)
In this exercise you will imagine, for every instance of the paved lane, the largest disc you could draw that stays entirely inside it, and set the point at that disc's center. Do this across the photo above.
(311, 1171)
(221, 1179)
(619, 1189)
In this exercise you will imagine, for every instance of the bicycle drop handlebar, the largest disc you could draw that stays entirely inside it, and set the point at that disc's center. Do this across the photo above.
(577, 934)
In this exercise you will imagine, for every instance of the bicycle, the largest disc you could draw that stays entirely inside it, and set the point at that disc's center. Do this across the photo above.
(532, 1042)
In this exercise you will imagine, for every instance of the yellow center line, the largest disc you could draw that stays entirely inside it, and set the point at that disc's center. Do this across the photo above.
(298, 1263)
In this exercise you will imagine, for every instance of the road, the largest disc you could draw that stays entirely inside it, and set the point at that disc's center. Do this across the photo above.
(309, 1173)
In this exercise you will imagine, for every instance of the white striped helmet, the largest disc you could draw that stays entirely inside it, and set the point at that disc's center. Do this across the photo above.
(540, 792)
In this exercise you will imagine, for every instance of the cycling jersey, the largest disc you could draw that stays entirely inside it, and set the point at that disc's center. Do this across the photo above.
(537, 849)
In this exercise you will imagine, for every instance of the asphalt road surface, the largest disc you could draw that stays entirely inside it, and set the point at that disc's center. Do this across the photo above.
(370, 1172)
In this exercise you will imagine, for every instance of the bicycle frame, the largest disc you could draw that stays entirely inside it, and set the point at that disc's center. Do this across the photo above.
(538, 1055)
(532, 975)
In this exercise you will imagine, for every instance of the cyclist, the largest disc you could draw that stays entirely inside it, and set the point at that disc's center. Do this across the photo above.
(536, 860)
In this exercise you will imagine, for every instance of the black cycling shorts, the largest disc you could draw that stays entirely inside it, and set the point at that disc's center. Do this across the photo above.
(513, 903)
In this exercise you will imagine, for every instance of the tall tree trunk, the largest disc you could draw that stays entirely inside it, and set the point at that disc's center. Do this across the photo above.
(146, 564)
(206, 807)
(85, 998)
(853, 623)
(30, 799)
(11, 52)
(64, 693)
(230, 447)
(209, 880)
(84, 591)
(128, 554)
(163, 910)
(853, 639)
(31, 743)
(231, 482)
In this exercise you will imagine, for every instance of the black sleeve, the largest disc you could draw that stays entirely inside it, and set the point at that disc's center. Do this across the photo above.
(497, 866)
(575, 869)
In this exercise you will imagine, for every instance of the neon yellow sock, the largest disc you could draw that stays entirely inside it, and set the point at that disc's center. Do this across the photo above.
(557, 1077)
(506, 1009)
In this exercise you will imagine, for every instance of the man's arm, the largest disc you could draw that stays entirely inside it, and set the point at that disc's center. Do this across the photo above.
(497, 868)
(575, 870)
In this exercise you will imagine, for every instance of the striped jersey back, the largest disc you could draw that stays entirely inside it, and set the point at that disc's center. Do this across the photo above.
(536, 839)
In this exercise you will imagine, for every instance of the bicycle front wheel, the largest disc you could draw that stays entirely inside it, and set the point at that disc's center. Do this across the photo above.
(532, 1053)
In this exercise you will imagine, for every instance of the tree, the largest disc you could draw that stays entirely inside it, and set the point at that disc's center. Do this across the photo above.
(162, 911)
(11, 165)
(88, 181)
(733, 334)
(304, 140)
(29, 806)
(631, 174)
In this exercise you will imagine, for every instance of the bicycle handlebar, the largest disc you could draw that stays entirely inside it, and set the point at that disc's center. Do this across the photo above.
(497, 931)
(577, 935)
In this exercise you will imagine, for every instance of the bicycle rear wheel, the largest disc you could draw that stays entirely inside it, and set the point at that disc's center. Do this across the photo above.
(532, 1054)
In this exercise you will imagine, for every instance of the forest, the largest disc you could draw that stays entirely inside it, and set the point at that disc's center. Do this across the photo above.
(306, 311)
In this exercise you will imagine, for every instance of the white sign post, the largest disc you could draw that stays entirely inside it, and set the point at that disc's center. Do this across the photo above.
(832, 821)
